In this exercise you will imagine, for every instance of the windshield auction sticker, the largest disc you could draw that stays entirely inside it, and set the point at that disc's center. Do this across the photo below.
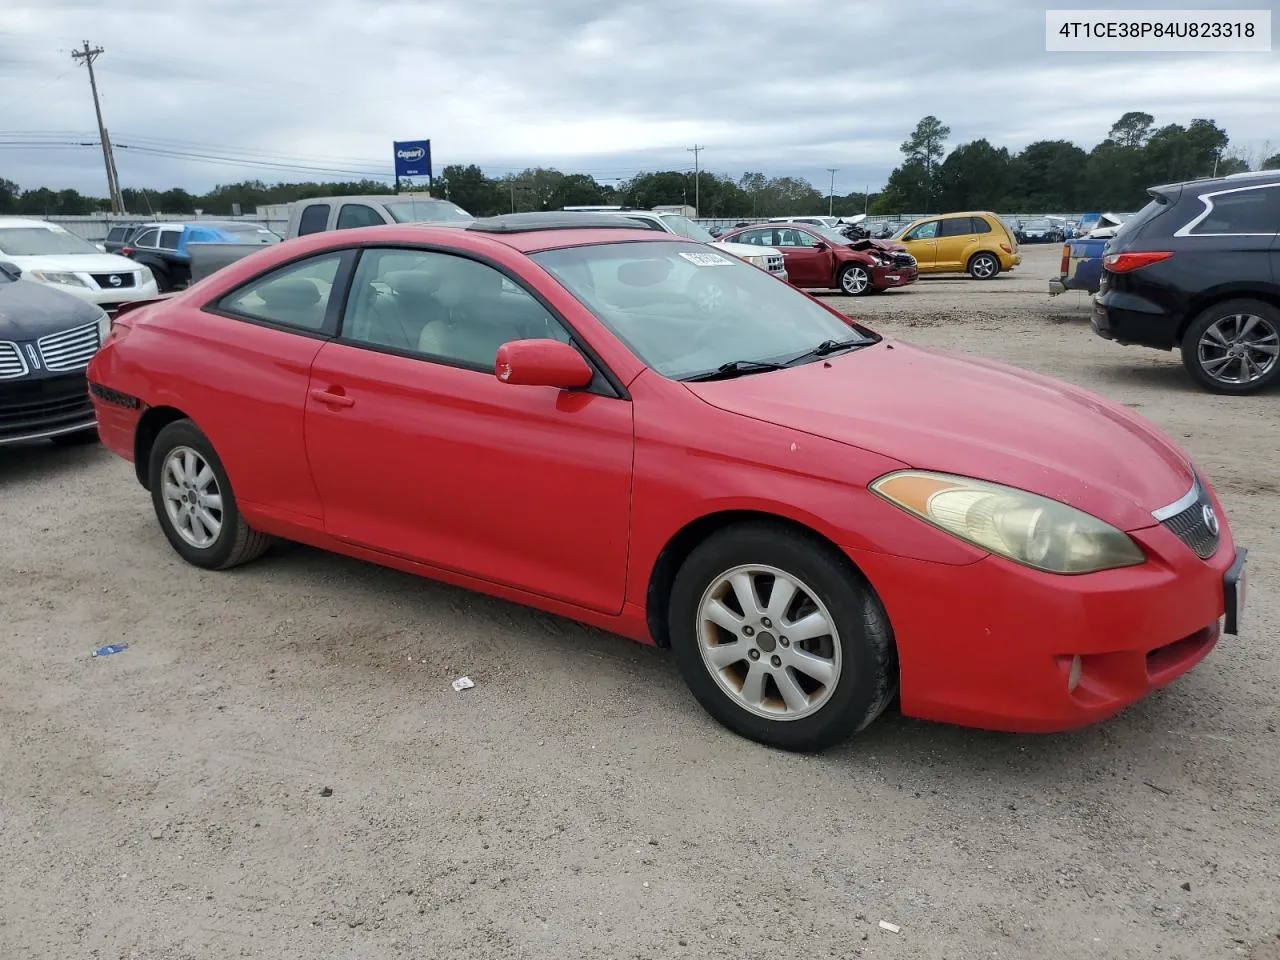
(707, 259)
(1157, 31)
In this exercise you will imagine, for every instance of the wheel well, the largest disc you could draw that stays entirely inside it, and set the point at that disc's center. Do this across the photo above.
(144, 437)
(1200, 306)
(672, 556)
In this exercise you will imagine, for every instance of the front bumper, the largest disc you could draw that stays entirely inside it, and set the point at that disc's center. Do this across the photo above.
(39, 407)
(109, 298)
(995, 644)
(883, 278)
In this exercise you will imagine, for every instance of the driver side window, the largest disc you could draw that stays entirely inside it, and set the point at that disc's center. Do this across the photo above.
(926, 231)
(441, 307)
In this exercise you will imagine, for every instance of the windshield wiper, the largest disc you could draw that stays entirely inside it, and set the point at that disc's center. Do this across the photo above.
(735, 368)
(826, 348)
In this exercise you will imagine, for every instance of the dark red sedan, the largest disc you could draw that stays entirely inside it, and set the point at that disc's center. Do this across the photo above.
(643, 433)
(821, 259)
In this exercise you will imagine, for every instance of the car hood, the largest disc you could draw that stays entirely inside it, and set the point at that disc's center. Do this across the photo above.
(743, 249)
(936, 410)
(75, 263)
(30, 310)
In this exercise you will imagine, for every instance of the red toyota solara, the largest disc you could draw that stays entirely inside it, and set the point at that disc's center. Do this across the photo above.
(643, 433)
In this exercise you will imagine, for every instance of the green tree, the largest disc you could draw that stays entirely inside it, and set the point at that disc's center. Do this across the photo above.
(907, 190)
(469, 188)
(975, 176)
(926, 146)
(10, 196)
(1175, 153)
(1271, 163)
(1133, 129)
(1047, 176)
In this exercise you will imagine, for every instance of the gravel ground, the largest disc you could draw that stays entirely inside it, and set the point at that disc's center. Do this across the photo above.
(278, 768)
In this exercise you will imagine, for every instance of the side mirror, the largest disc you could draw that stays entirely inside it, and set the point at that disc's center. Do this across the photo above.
(10, 270)
(820, 245)
(541, 363)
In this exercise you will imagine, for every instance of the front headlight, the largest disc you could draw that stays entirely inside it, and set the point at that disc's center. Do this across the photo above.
(67, 279)
(1021, 526)
(756, 261)
(147, 275)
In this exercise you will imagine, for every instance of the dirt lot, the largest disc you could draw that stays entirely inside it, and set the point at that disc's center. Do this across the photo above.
(167, 802)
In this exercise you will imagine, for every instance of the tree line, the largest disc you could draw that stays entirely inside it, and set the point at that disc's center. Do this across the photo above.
(1045, 176)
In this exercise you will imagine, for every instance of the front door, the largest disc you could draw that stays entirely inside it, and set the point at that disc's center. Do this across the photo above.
(420, 451)
(922, 243)
(808, 264)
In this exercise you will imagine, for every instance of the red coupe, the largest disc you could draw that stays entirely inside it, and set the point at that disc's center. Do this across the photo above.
(638, 431)
(820, 259)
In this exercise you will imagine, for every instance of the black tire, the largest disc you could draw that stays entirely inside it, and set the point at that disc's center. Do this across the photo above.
(236, 542)
(164, 283)
(868, 678)
(983, 266)
(856, 276)
(77, 439)
(1266, 326)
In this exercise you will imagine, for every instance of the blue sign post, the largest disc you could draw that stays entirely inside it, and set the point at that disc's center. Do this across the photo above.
(413, 159)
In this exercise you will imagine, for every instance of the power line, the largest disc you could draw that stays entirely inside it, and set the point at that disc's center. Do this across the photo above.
(88, 55)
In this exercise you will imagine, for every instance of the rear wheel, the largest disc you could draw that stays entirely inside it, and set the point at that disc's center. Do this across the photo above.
(983, 266)
(195, 504)
(1234, 347)
(780, 638)
(854, 279)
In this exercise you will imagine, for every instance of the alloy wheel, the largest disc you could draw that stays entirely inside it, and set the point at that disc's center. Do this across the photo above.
(1238, 349)
(192, 498)
(854, 280)
(983, 267)
(769, 642)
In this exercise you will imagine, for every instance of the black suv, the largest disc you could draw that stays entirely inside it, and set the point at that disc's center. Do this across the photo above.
(1199, 268)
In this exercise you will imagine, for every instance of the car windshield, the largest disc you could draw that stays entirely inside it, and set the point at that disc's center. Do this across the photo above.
(42, 241)
(832, 236)
(425, 211)
(1037, 225)
(687, 228)
(686, 309)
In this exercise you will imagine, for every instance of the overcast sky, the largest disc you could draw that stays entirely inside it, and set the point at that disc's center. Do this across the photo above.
(606, 88)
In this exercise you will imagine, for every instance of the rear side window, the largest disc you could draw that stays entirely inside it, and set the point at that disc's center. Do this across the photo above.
(314, 219)
(117, 233)
(354, 215)
(1255, 210)
(295, 296)
(147, 238)
(956, 227)
(979, 225)
(169, 239)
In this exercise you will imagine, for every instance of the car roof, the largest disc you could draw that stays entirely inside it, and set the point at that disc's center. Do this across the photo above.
(25, 222)
(531, 232)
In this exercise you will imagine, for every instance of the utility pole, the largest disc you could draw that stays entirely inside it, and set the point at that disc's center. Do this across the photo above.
(88, 55)
(866, 200)
(831, 196)
(695, 150)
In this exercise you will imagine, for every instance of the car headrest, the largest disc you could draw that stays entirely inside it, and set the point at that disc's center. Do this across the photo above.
(292, 292)
(644, 273)
(412, 283)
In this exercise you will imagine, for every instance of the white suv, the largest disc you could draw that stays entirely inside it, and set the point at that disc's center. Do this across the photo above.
(49, 254)
(766, 258)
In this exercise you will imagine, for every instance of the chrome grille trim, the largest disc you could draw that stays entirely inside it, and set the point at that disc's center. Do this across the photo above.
(69, 349)
(12, 363)
(1188, 518)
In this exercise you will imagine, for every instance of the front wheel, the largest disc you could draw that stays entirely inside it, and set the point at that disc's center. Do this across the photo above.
(983, 266)
(1234, 347)
(854, 279)
(195, 504)
(780, 639)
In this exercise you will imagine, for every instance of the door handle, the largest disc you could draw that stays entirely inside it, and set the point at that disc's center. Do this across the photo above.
(331, 398)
